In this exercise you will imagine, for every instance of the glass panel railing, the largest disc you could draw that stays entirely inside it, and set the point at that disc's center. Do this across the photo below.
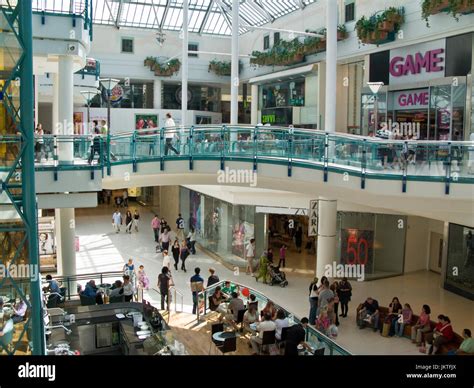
(314, 337)
(388, 159)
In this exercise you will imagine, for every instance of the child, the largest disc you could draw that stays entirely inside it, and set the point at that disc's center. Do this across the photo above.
(282, 256)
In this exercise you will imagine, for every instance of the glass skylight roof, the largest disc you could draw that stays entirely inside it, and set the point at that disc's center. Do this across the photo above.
(205, 16)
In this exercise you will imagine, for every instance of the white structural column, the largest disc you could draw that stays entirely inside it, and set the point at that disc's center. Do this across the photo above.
(157, 85)
(184, 65)
(55, 116)
(36, 99)
(331, 66)
(65, 106)
(254, 106)
(234, 79)
(327, 220)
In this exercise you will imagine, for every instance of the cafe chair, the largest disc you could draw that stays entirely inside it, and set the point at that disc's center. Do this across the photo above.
(319, 352)
(230, 345)
(215, 328)
(268, 339)
(284, 333)
(240, 319)
(116, 299)
(87, 300)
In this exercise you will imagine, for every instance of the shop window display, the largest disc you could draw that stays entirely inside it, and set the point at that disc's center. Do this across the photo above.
(460, 262)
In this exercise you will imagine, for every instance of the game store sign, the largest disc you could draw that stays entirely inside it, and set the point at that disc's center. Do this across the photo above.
(417, 63)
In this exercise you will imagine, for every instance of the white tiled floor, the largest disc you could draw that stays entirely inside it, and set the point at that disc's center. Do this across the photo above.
(102, 250)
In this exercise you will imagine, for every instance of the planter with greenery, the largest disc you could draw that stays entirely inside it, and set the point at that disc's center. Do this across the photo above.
(381, 27)
(220, 67)
(453, 7)
(163, 69)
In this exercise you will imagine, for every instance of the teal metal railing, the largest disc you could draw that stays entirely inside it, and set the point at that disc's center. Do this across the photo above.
(92, 68)
(362, 157)
(316, 338)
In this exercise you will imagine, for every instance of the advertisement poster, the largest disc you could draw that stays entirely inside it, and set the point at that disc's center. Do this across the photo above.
(357, 247)
(145, 121)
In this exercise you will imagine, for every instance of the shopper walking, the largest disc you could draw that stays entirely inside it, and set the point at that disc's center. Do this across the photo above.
(313, 301)
(282, 261)
(192, 241)
(136, 219)
(163, 225)
(165, 239)
(175, 250)
(249, 255)
(197, 285)
(170, 134)
(344, 292)
(213, 278)
(184, 253)
(128, 222)
(128, 289)
(166, 260)
(164, 284)
(39, 145)
(117, 220)
(155, 225)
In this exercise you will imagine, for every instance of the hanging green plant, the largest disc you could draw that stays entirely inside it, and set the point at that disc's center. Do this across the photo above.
(221, 68)
(163, 69)
(452, 7)
(381, 27)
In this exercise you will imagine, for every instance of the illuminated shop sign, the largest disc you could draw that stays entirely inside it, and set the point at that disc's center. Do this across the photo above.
(417, 63)
(411, 99)
(278, 116)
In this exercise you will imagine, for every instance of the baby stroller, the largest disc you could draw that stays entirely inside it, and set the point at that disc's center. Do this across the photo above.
(277, 276)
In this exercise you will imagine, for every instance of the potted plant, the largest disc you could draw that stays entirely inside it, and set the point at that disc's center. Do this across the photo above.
(149, 61)
(457, 7)
(220, 68)
(341, 32)
(432, 7)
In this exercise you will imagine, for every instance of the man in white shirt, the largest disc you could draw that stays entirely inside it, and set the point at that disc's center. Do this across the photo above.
(170, 134)
(117, 220)
(166, 260)
(266, 325)
(127, 289)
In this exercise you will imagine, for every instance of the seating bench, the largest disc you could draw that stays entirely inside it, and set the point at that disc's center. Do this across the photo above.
(445, 348)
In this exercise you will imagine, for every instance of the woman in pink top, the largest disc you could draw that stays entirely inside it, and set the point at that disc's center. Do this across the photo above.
(404, 319)
(422, 326)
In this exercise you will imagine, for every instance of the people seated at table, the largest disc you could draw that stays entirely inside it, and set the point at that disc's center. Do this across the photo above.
(251, 316)
(7, 324)
(266, 325)
(270, 309)
(295, 336)
(216, 303)
(92, 291)
(19, 311)
(228, 289)
(467, 346)
(252, 301)
(369, 314)
(235, 305)
(52, 286)
(116, 289)
(442, 334)
(281, 322)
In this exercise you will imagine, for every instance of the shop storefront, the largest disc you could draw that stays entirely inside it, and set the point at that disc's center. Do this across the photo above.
(460, 261)
(289, 97)
(200, 97)
(424, 92)
(376, 241)
(221, 227)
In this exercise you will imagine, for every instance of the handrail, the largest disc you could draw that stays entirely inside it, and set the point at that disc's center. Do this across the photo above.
(310, 331)
(366, 157)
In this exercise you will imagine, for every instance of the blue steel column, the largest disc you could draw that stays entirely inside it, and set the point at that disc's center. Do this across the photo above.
(28, 171)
